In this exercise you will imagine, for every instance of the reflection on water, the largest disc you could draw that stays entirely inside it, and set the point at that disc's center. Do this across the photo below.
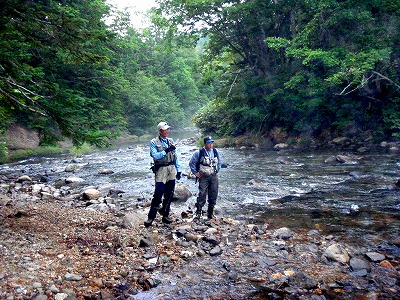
(297, 190)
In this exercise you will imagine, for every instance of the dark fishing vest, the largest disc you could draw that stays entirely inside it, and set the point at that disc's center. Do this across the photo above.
(205, 164)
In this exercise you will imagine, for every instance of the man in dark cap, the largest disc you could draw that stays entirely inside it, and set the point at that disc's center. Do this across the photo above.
(205, 164)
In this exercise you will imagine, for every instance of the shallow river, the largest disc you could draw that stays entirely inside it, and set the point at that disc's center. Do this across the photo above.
(353, 200)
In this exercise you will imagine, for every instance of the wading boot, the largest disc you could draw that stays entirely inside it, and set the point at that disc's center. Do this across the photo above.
(148, 222)
(197, 216)
(210, 214)
(166, 220)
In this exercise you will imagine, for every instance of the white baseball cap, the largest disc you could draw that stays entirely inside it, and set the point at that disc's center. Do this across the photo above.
(163, 126)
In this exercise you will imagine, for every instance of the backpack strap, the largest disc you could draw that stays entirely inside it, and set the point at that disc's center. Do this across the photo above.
(202, 153)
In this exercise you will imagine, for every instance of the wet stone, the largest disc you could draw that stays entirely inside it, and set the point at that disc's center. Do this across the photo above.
(215, 251)
(302, 280)
(357, 264)
(192, 237)
(180, 232)
(360, 273)
(313, 232)
(72, 277)
(375, 256)
(284, 233)
(212, 240)
(145, 243)
(337, 253)
(152, 282)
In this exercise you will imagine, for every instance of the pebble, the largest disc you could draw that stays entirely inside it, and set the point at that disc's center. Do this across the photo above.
(72, 277)
(60, 296)
(215, 251)
(54, 289)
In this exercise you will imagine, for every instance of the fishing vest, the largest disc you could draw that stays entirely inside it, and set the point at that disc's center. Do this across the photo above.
(168, 159)
(205, 165)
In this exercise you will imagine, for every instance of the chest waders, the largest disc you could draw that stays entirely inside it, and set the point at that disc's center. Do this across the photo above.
(165, 187)
(208, 183)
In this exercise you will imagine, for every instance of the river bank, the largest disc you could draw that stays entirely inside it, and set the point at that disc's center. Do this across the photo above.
(52, 250)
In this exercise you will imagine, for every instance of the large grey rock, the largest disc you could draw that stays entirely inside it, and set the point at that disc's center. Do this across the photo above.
(181, 193)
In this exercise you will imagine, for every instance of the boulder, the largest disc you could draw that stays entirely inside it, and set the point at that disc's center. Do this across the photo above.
(181, 193)
(91, 194)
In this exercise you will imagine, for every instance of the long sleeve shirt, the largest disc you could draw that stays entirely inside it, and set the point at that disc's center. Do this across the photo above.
(155, 154)
(196, 156)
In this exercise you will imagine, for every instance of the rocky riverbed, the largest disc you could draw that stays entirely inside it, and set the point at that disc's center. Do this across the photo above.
(53, 247)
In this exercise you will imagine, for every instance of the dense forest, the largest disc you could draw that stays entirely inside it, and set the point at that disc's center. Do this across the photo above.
(310, 68)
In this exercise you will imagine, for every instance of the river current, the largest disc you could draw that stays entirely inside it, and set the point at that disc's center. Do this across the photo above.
(356, 200)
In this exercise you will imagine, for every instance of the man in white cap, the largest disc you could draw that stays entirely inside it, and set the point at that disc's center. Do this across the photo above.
(205, 164)
(166, 169)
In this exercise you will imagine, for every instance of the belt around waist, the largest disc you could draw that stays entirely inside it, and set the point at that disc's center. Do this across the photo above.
(166, 164)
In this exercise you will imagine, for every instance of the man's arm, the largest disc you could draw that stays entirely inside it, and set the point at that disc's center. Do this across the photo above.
(154, 152)
(219, 161)
(177, 165)
(193, 161)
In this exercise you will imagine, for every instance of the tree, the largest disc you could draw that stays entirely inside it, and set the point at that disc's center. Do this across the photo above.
(54, 69)
(305, 66)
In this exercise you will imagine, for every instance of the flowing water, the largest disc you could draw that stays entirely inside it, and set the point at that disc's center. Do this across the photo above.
(355, 199)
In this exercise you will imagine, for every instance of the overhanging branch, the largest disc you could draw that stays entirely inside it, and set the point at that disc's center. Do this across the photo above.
(386, 78)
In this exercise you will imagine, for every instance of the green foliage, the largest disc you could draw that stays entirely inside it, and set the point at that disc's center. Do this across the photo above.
(66, 73)
(3, 150)
(52, 71)
(81, 149)
(305, 66)
(391, 115)
(23, 153)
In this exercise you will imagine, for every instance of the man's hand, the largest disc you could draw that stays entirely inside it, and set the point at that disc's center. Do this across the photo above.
(198, 175)
(178, 175)
(170, 148)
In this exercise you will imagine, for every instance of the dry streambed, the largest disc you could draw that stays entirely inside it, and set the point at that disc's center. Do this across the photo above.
(50, 251)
